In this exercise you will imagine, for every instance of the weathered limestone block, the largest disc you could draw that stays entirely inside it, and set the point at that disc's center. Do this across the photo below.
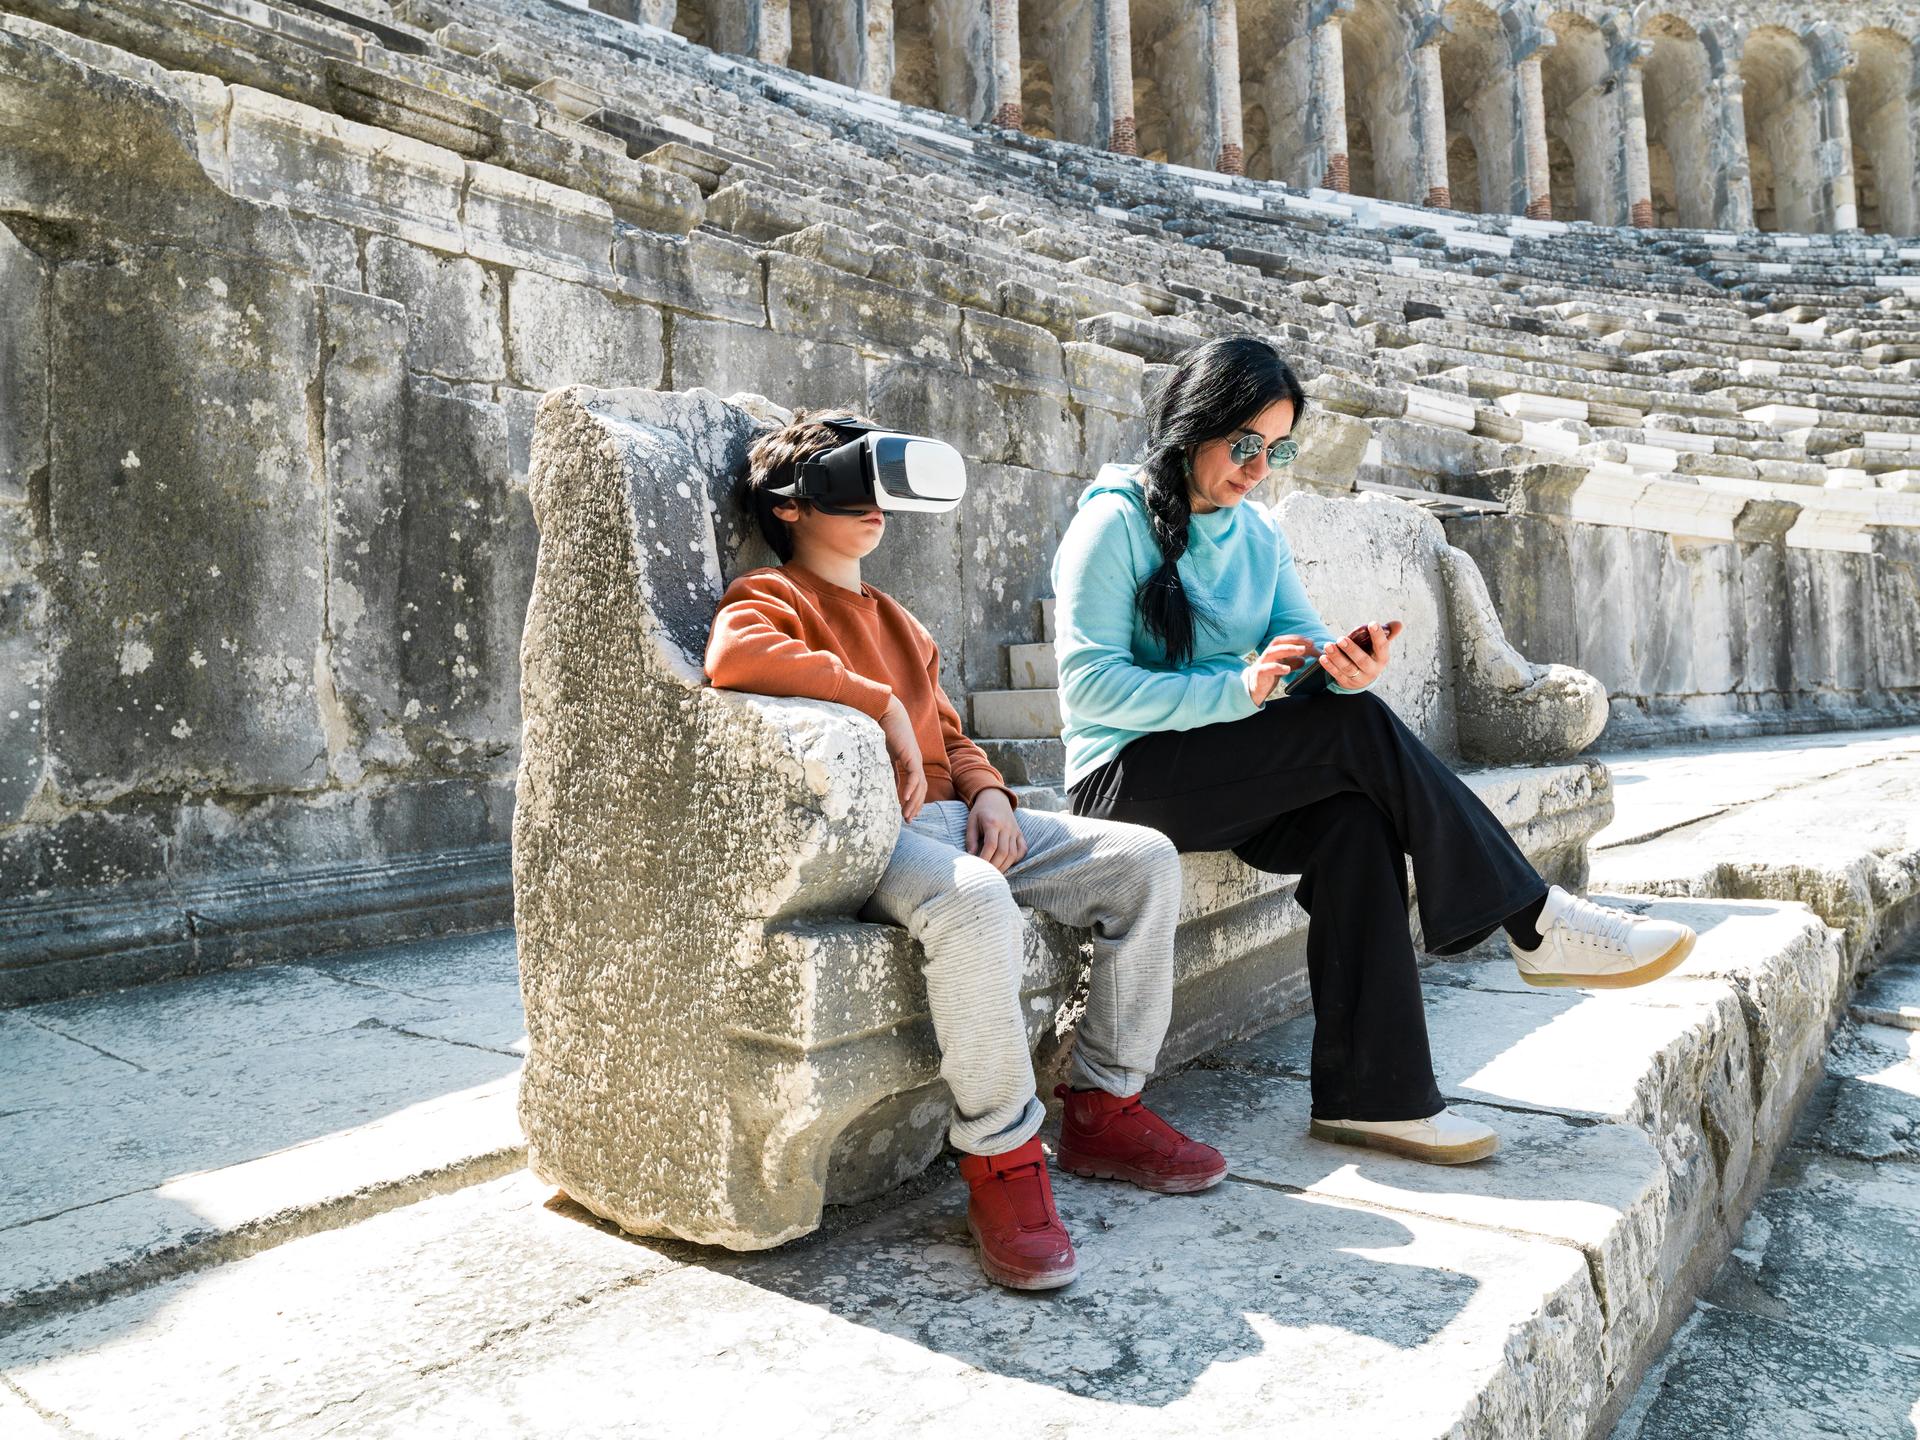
(700, 273)
(512, 219)
(686, 1076)
(185, 525)
(1454, 679)
(23, 666)
(564, 334)
(819, 302)
(23, 366)
(429, 553)
(788, 369)
(1511, 709)
(453, 309)
(288, 154)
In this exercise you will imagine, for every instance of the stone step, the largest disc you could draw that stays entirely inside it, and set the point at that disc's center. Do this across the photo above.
(1318, 1288)
(1033, 667)
(1830, 820)
(364, 1082)
(1016, 714)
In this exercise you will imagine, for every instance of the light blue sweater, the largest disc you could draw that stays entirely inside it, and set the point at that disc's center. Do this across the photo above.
(1115, 683)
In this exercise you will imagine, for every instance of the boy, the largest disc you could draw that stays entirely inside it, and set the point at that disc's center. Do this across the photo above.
(967, 854)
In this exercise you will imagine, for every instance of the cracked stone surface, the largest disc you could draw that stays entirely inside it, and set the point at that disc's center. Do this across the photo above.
(1833, 821)
(248, 1102)
(1812, 1327)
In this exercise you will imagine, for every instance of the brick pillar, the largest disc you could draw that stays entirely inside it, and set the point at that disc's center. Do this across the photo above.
(1122, 138)
(1006, 63)
(1433, 122)
(1533, 118)
(1330, 95)
(1224, 59)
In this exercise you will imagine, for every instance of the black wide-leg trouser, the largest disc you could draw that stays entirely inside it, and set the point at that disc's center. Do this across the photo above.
(1336, 789)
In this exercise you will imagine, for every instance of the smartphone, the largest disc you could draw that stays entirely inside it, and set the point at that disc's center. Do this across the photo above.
(1312, 676)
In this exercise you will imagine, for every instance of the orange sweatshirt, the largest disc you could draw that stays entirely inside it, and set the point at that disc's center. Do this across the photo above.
(782, 630)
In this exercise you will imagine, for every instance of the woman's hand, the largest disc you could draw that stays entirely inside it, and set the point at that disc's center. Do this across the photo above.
(909, 774)
(992, 832)
(1348, 665)
(1284, 654)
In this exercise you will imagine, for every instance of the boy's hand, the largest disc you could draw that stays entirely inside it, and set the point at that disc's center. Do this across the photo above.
(1284, 654)
(992, 832)
(909, 775)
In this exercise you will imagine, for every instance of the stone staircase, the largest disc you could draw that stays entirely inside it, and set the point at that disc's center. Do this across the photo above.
(1019, 728)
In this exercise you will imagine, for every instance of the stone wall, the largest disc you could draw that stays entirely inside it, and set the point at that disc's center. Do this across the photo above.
(282, 290)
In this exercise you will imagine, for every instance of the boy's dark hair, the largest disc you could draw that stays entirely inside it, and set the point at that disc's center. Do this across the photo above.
(774, 460)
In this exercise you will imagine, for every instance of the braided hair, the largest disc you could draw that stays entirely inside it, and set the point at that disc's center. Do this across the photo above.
(1215, 390)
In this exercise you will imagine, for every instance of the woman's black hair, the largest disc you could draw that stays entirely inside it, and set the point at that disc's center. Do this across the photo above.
(1215, 390)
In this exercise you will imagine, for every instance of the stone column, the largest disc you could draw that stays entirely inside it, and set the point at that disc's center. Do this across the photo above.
(762, 29)
(1727, 140)
(1006, 63)
(1115, 25)
(1223, 56)
(1533, 132)
(1433, 118)
(1329, 102)
(1829, 58)
(1639, 167)
(853, 43)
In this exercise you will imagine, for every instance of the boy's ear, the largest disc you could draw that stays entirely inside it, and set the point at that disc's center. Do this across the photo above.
(787, 510)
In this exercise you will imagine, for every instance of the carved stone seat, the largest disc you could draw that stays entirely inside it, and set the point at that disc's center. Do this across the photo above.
(717, 1047)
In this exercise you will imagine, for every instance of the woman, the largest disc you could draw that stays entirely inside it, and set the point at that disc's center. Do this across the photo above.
(1178, 612)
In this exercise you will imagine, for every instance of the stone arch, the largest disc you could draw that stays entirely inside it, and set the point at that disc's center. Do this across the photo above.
(1580, 89)
(1383, 157)
(1476, 81)
(1276, 92)
(1675, 88)
(1883, 123)
(1172, 83)
(1783, 130)
(1463, 172)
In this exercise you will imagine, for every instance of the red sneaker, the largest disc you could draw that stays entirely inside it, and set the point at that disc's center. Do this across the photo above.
(1115, 1137)
(1016, 1231)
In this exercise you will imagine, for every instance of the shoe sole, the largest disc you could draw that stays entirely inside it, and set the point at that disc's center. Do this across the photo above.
(1159, 1185)
(1014, 1281)
(1411, 1149)
(1625, 979)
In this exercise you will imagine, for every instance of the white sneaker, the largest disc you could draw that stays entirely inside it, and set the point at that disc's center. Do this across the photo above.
(1596, 947)
(1443, 1139)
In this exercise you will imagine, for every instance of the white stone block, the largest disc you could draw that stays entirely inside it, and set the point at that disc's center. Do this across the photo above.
(1526, 406)
(1016, 714)
(1549, 437)
(1659, 459)
(1759, 367)
(1436, 407)
(1783, 417)
(1033, 667)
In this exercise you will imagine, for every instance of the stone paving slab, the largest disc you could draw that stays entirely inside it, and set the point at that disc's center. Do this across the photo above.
(227, 1112)
(1661, 788)
(1812, 1327)
(1890, 998)
(1319, 1288)
(1832, 823)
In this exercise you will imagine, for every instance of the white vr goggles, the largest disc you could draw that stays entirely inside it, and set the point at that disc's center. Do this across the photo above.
(879, 467)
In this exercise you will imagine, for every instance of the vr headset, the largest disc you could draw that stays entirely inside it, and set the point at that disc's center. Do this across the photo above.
(879, 467)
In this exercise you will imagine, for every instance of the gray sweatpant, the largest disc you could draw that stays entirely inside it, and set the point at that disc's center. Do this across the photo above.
(1122, 881)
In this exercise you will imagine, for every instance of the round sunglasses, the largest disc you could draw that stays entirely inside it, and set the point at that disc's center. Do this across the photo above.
(1280, 453)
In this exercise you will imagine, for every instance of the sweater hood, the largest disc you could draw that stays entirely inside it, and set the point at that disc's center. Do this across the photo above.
(1118, 479)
